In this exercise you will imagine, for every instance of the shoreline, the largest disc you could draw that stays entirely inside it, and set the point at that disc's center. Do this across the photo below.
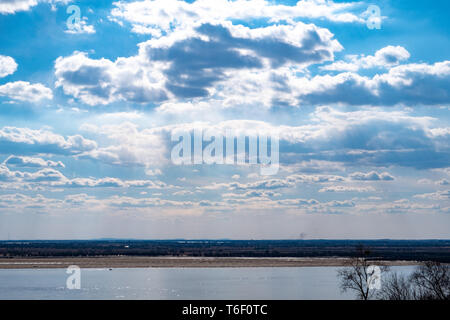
(181, 262)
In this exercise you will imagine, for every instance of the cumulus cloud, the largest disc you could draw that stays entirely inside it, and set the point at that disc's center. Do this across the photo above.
(438, 195)
(401, 206)
(251, 90)
(124, 202)
(298, 202)
(6, 174)
(342, 204)
(200, 60)
(413, 84)
(371, 176)
(93, 183)
(346, 189)
(384, 58)
(294, 205)
(81, 28)
(130, 146)
(43, 175)
(289, 181)
(251, 65)
(371, 137)
(28, 141)
(368, 137)
(13, 6)
(131, 202)
(103, 81)
(20, 201)
(7, 66)
(190, 64)
(443, 182)
(30, 162)
(54, 178)
(252, 194)
(263, 184)
(164, 16)
(25, 91)
(109, 182)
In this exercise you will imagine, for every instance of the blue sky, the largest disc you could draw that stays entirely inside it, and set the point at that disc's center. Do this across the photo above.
(86, 116)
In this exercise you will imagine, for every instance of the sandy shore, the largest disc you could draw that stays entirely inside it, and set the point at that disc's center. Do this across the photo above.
(175, 262)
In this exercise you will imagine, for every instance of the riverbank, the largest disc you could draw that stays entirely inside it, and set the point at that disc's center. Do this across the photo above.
(178, 262)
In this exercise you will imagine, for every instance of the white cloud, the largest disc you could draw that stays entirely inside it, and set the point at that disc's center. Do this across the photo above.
(7, 66)
(103, 81)
(20, 201)
(53, 178)
(443, 182)
(412, 84)
(25, 91)
(346, 189)
(167, 15)
(241, 61)
(176, 66)
(131, 146)
(252, 194)
(140, 29)
(275, 183)
(109, 182)
(43, 175)
(313, 166)
(386, 57)
(328, 137)
(6, 174)
(28, 141)
(183, 193)
(31, 162)
(153, 172)
(371, 176)
(248, 91)
(438, 195)
(81, 28)
(13, 6)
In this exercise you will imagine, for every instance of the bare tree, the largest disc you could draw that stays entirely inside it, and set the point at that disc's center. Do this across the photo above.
(396, 287)
(432, 281)
(357, 276)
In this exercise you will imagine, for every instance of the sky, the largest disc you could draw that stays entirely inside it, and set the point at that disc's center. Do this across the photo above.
(91, 93)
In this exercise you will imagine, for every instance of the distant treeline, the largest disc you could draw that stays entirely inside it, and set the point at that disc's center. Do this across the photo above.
(421, 250)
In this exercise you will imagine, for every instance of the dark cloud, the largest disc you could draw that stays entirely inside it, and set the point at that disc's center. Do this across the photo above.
(87, 75)
(197, 64)
(427, 85)
(372, 143)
